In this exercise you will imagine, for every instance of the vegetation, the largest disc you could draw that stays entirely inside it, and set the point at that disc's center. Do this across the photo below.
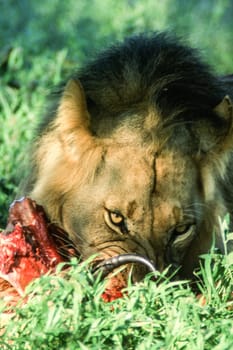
(41, 43)
(67, 312)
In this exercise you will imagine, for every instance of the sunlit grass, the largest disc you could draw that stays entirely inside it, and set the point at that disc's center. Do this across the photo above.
(22, 101)
(65, 311)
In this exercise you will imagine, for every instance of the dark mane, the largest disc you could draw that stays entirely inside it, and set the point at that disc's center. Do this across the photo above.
(154, 69)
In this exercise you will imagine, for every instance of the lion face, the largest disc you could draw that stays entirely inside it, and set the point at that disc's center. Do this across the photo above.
(142, 180)
(139, 196)
(150, 206)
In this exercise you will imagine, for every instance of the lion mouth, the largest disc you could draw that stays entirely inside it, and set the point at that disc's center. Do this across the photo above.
(105, 267)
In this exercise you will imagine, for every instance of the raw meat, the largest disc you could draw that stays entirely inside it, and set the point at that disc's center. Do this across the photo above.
(27, 248)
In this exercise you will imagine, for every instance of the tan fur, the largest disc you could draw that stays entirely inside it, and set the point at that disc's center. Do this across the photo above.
(147, 173)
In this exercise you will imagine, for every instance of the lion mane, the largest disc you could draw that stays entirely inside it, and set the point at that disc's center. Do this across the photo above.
(136, 153)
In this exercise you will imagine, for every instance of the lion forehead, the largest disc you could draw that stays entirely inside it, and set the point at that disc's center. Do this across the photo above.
(128, 166)
(177, 176)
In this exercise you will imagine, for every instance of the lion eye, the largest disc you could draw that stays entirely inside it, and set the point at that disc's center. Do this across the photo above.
(117, 219)
(182, 229)
(180, 239)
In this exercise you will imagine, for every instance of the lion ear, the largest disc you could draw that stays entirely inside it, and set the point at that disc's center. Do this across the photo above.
(216, 145)
(217, 138)
(72, 110)
(73, 120)
(225, 111)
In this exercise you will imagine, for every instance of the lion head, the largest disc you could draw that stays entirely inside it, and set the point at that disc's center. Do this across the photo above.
(137, 155)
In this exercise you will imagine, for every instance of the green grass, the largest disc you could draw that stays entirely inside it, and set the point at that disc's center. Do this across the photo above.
(22, 101)
(67, 312)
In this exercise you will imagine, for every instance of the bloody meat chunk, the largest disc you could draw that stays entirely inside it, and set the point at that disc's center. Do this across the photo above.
(27, 247)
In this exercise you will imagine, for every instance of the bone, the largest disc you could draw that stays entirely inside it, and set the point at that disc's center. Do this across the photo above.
(108, 265)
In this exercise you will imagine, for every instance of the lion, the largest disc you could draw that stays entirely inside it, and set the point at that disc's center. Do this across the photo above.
(136, 154)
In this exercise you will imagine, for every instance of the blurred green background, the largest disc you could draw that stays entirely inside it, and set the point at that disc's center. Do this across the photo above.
(42, 41)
